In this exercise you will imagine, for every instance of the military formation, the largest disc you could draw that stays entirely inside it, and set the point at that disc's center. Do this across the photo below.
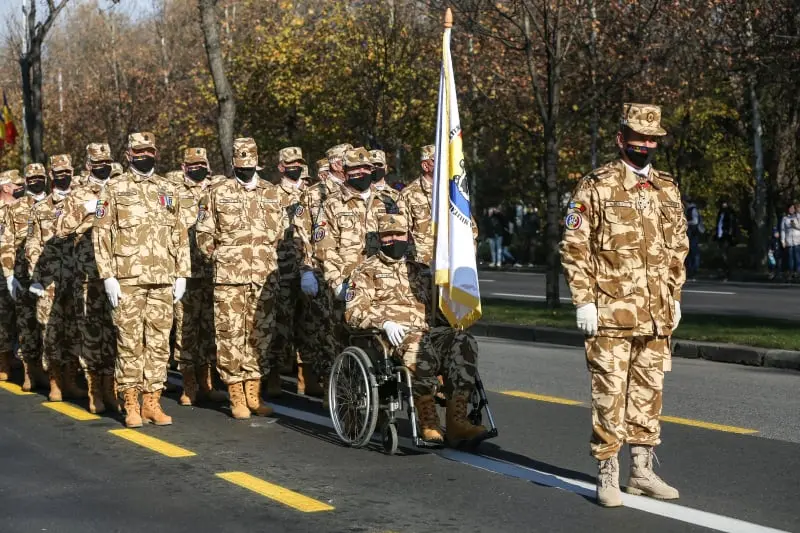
(111, 273)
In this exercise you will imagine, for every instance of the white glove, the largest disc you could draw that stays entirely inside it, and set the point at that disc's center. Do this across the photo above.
(178, 290)
(36, 289)
(113, 291)
(395, 332)
(676, 316)
(587, 319)
(308, 283)
(14, 288)
(341, 291)
(90, 206)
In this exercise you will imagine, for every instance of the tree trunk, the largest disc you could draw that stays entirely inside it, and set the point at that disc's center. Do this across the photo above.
(33, 102)
(758, 235)
(216, 63)
(552, 232)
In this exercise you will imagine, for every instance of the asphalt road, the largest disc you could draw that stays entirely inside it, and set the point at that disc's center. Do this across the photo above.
(776, 300)
(733, 451)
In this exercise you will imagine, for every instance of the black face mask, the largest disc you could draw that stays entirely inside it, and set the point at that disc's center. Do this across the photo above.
(62, 182)
(640, 156)
(101, 172)
(18, 193)
(360, 183)
(197, 174)
(395, 250)
(143, 163)
(36, 187)
(293, 173)
(245, 174)
(378, 174)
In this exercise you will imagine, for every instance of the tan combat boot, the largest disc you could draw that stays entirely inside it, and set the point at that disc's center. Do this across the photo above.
(274, 389)
(207, 391)
(608, 494)
(70, 379)
(239, 409)
(56, 383)
(189, 394)
(429, 427)
(5, 366)
(151, 409)
(459, 428)
(109, 391)
(252, 392)
(96, 405)
(133, 415)
(308, 381)
(643, 480)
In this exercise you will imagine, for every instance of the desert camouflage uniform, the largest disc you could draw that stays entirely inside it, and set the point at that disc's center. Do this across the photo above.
(14, 262)
(238, 229)
(8, 314)
(383, 200)
(418, 197)
(51, 263)
(93, 310)
(623, 249)
(139, 238)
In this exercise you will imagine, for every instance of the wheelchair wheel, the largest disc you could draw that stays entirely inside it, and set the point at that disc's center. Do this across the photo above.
(353, 397)
(389, 438)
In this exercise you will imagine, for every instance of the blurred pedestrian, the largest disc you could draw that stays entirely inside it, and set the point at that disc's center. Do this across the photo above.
(725, 234)
(775, 254)
(790, 240)
(497, 225)
(695, 229)
(530, 232)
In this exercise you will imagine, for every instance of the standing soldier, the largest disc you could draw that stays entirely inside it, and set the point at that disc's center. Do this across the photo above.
(93, 310)
(285, 342)
(418, 196)
(623, 252)
(142, 254)
(10, 191)
(238, 226)
(383, 200)
(16, 272)
(194, 313)
(51, 269)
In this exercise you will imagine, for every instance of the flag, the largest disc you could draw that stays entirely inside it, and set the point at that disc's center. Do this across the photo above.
(454, 265)
(9, 130)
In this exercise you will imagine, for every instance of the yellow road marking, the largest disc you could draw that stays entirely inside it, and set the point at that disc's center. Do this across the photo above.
(708, 425)
(540, 397)
(71, 411)
(13, 388)
(274, 492)
(670, 419)
(152, 443)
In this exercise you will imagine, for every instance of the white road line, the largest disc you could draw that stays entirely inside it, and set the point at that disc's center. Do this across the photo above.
(487, 280)
(582, 488)
(723, 293)
(528, 296)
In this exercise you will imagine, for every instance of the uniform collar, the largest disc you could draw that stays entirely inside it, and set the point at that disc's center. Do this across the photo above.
(632, 177)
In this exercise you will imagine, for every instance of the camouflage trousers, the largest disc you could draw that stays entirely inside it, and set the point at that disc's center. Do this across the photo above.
(143, 320)
(29, 334)
(8, 319)
(194, 325)
(98, 335)
(55, 313)
(442, 351)
(244, 316)
(318, 341)
(289, 307)
(627, 383)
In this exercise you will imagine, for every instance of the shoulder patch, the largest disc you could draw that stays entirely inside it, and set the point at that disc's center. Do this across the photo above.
(319, 234)
(100, 210)
(573, 221)
(350, 295)
(666, 176)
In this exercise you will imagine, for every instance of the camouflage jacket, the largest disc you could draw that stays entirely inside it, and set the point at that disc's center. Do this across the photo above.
(418, 197)
(75, 221)
(138, 234)
(384, 199)
(384, 289)
(15, 231)
(191, 195)
(623, 249)
(290, 247)
(50, 258)
(239, 231)
(312, 218)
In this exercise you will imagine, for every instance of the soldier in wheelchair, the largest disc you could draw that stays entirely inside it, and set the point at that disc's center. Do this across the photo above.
(389, 293)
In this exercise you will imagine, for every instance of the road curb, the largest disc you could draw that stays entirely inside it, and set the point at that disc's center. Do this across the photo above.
(723, 353)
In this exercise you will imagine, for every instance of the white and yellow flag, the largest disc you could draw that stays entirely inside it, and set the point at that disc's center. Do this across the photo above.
(456, 274)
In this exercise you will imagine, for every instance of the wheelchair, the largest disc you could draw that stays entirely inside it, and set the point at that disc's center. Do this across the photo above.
(368, 386)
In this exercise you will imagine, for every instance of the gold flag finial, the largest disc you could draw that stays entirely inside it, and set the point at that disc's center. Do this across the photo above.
(448, 18)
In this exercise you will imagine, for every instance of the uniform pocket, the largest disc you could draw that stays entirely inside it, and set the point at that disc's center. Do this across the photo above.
(621, 230)
(616, 304)
(230, 215)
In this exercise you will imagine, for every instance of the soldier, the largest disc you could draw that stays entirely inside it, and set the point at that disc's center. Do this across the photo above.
(116, 169)
(391, 293)
(93, 309)
(16, 272)
(51, 269)
(623, 251)
(418, 196)
(239, 223)
(194, 313)
(383, 200)
(142, 253)
(10, 192)
(286, 340)
(322, 169)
